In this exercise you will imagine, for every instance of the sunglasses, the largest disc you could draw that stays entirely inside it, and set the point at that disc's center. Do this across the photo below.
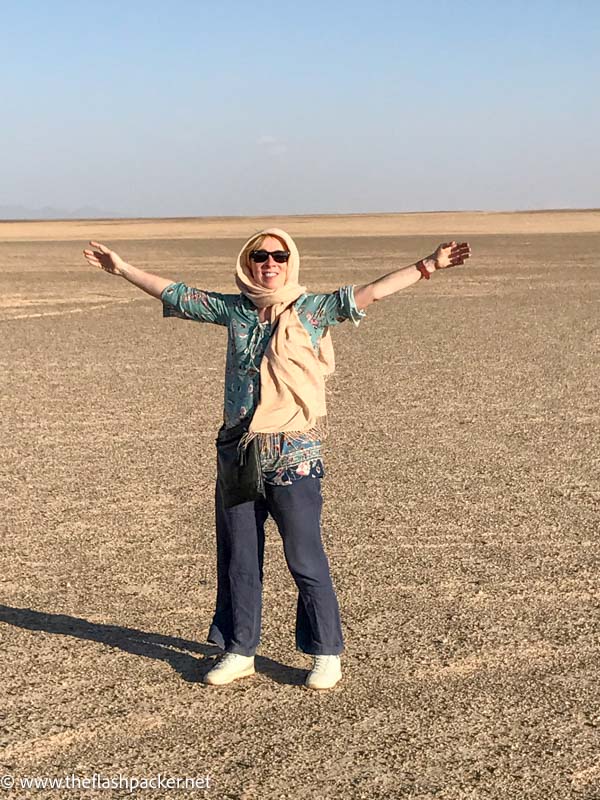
(260, 256)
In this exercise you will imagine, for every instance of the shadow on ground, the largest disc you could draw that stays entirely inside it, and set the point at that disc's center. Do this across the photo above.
(143, 643)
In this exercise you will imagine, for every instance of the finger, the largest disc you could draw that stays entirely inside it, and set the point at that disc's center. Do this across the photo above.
(101, 247)
(461, 251)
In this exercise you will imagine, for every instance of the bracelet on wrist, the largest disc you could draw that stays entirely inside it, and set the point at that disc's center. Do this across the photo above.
(425, 273)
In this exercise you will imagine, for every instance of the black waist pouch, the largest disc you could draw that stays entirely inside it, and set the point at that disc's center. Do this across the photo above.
(239, 473)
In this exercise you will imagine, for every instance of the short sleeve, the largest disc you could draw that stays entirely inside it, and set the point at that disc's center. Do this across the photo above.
(324, 310)
(181, 300)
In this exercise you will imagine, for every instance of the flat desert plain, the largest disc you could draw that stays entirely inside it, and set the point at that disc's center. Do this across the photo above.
(460, 517)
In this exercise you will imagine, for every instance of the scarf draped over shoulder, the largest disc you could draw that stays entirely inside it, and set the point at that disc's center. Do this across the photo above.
(292, 374)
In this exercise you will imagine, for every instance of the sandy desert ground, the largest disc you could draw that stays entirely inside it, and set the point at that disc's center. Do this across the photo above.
(461, 518)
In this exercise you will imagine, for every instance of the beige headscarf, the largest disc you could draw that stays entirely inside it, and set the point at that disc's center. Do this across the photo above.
(292, 375)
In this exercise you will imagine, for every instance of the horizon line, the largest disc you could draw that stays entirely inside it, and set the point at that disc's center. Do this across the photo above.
(310, 215)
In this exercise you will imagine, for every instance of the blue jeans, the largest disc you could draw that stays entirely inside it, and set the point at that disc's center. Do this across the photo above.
(296, 509)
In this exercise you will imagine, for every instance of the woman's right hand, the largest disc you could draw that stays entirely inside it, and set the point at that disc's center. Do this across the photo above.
(105, 259)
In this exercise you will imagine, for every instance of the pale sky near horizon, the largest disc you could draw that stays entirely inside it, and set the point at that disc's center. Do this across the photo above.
(234, 108)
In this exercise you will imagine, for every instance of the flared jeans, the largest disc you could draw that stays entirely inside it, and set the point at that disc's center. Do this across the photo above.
(296, 510)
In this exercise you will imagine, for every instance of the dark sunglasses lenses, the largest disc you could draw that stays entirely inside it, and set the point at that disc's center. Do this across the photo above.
(260, 256)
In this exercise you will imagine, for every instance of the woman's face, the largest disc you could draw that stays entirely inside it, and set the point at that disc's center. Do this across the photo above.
(269, 274)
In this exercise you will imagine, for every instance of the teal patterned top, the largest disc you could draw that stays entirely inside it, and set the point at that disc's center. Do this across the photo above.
(247, 341)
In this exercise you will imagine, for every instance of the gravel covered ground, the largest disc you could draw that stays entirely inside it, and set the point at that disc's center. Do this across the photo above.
(461, 520)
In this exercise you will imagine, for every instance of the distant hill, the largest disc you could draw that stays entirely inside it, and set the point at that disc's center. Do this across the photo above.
(49, 212)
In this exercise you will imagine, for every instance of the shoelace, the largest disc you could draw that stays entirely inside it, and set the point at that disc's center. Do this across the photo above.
(322, 662)
(226, 659)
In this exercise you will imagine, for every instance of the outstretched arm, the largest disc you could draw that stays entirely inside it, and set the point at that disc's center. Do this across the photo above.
(110, 262)
(447, 255)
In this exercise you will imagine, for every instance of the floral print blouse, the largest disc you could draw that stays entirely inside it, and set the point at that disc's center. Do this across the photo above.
(247, 341)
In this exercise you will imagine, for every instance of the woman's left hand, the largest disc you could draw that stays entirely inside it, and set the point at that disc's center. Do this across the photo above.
(450, 254)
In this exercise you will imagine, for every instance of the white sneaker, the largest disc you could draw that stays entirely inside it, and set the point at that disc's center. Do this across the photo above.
(229, 668)
(326, 672)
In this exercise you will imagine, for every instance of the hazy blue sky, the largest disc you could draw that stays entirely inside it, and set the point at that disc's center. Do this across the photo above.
(209, 108)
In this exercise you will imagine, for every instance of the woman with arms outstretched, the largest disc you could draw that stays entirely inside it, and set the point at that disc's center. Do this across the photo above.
(279, 354)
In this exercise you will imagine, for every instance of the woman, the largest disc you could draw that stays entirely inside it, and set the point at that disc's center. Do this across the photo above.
(278, 357)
